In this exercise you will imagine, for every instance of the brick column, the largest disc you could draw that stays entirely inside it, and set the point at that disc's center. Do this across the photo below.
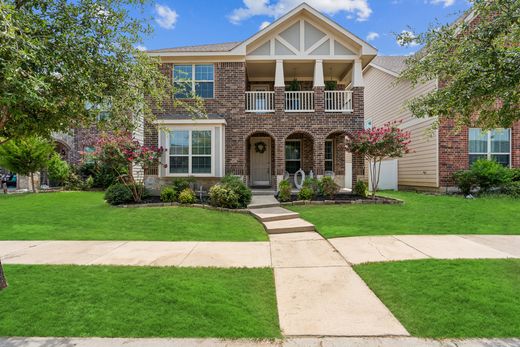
(319, 156)
(453, 152)
(358, 104)
(319, 100)
(279, 101)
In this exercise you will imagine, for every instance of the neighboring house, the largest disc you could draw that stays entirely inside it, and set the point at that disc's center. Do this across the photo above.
(277, 102)
(439, 152)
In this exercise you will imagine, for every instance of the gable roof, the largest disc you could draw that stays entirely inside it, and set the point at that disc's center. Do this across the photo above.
(395, 64)
(212, 47)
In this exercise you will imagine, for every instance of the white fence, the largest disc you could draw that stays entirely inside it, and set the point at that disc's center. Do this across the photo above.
(299, 101)
(259, 101)
(338, 101)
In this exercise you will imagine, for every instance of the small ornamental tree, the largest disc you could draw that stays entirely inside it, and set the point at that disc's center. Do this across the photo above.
(3, 282)
(122, 153)
(378, 144)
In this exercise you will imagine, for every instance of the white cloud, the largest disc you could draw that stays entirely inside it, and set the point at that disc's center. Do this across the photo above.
(264, 25)
(277, 8)
(406, 38)
(446, 3)
(141, 47)
(166, 17)
(372, 36)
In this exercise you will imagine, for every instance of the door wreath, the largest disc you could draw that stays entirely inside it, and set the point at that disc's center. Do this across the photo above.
(260, 147)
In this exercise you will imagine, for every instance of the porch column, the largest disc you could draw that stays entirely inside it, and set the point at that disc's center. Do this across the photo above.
(319, 88)
(357, 74)
(279, 89)
(319, 156)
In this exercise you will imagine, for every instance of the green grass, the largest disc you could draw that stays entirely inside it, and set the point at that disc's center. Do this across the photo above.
(450, 298)
(110, 301)
(85, 216)
(421, 214)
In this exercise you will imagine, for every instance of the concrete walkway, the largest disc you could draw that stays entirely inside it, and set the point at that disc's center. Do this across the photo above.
(139, 253)
(291, 342)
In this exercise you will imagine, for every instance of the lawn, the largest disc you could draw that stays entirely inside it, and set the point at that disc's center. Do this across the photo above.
(450, 298)
(138, 302)
(85, 216)
(420, 214)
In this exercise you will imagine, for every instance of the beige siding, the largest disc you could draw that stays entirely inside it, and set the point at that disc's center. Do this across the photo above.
(385, 102)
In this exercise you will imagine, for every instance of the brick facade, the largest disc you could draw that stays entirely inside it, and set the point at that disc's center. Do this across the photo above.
(314, 127)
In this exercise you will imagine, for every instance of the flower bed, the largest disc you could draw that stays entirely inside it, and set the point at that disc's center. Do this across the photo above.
(342, 198)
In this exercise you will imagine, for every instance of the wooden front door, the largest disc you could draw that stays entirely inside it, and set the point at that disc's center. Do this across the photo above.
(260, 161)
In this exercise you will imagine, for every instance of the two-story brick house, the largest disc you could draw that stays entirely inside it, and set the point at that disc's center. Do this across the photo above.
(280, 101)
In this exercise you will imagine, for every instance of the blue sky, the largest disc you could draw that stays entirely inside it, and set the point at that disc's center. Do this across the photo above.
(191, 22)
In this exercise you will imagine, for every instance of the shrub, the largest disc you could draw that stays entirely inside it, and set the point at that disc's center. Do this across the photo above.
(89, 183)
(465, 181)
(223, 196)
(118, 194)
(361, 189)
(515, 174)
(284, 192)
(168, 194)
(306, 193)
(103, 175)
(187, 196)
(329, 188)
(180, 184)
(236, 184)
(512, 189)
(313, 184)
(490, 174)
(58, 169)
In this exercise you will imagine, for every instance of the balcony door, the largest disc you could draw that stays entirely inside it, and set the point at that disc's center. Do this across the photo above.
(260, 161)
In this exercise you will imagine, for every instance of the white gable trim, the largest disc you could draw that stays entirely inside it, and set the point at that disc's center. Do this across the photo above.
(390, 72)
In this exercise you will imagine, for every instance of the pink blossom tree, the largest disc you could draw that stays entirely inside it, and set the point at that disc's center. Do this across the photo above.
(122, 153)
(378, 144)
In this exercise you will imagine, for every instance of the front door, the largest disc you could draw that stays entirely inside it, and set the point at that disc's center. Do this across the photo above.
(260, 157)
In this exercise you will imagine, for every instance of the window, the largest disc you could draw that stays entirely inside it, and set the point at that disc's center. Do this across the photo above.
(292, 156)
(329, 155)
(190, 152)
(492, 145)
(193, 79)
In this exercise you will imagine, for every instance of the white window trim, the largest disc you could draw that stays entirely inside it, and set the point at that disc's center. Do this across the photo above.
(194, 80)
(489, 154)
(301, 152)
(325, 160)
(190, 155)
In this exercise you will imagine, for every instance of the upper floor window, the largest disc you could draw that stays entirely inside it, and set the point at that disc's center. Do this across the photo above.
(193, 79)
(492, 145)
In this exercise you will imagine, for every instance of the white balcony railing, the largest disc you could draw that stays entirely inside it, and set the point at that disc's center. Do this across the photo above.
(259, 101)
(338, 101)
(299, 101)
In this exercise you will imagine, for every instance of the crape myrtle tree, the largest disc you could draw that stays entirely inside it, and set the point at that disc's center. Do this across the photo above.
(378, 144)
(477, 64)
(3, 282)
(63, 63)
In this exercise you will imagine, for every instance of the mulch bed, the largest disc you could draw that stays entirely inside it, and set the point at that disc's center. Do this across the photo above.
(342, 198)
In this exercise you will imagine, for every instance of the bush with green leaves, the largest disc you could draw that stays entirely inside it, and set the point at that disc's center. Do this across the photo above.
(515, 174)
(237, 185)
(306, 193)
(58, 169)
(168, 194)
(284, 191)
(187, 196)
(118, 194)
(490, 174)
(512, 189)
(328, 187)
(465, 181)
(361, 189)
(104, 176)
(313, 184)
(179, 184)
(221, 195)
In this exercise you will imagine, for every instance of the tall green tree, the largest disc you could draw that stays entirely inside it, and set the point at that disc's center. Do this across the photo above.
(64, 62)
(477, 64)
(26, 156)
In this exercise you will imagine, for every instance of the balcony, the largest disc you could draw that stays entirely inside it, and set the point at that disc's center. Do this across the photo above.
(259, 101)
(338, 101)
(299, 101)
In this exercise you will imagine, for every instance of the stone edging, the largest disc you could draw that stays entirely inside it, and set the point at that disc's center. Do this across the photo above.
(176, 204)
(386, 201)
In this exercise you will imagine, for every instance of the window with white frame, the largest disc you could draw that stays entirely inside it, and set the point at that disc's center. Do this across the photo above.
(329, 155)
(494, 144)
(293, 159)
(193, 79)
(190, 152)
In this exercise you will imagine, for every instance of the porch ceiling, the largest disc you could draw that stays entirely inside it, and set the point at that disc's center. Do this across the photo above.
(265, 71)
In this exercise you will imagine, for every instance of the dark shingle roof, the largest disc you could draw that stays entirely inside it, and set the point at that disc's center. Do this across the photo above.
(393, 63)
(214, 47)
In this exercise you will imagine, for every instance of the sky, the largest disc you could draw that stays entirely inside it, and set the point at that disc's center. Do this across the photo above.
(194, 22)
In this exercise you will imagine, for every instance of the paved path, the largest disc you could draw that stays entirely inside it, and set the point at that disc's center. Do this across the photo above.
(139, 253)
(291, 342)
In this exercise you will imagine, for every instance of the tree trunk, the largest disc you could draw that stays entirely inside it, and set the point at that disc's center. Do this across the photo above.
(32, 182)
(3, 282)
